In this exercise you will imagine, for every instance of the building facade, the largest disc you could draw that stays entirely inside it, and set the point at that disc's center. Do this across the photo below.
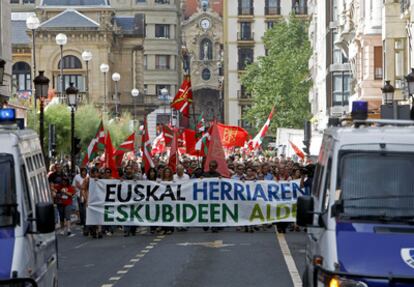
(329, 66)
(5, 51)
(202, 53)
(245, 22)
(140, 40)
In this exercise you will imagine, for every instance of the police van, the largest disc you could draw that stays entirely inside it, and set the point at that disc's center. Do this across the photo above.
(360, 216)
(28, 254)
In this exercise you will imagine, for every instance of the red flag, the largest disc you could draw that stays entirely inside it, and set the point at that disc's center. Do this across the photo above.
(96, 144)
(146, 148)
(190, 142)
(109, 156)
(125, 147)
(172, 163)
(297, 150)
(258, 139)
(158, 145)
(216, 152)
(183, 98)
(232, 136)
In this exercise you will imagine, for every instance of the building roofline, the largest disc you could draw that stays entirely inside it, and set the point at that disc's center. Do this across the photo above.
(42, 5)
(67, 11)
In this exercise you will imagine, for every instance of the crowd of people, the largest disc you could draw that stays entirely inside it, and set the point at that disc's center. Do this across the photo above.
(71, 195)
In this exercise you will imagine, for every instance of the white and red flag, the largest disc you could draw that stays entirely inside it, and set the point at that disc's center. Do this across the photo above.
(258, 139)
(97, 144)
(297, 150)
(146, 148)
(158, 145)
(127, 146)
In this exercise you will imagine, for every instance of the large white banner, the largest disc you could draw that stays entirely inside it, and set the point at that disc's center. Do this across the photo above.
(206, 202)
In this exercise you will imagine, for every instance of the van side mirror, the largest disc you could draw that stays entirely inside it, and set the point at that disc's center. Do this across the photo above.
(304, 214)
(45, 217)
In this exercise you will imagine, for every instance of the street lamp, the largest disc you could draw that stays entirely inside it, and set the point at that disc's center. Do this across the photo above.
(41, 83)
(87, 56)
(135, 94)
(33, 23)
(104, 69)
(72, 95)
(388, 93)
(116, 77)
(61, 40)
(2, 66)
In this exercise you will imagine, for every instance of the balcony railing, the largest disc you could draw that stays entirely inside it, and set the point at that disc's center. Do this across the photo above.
(245, 36)
(405, 5)
(274, 10)
(300, 9)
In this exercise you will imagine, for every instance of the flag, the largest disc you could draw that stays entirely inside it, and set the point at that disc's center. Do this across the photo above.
(190, 142)
(216, 152)
(172, 163)
(109, 156)
(127, 146)
(297, 150)
(232, 136)
(96, 144)
(201, 124)
(168, 134)
(183, 98)
(146, 148)
(258, 139)
(158, 145)
(201, 146)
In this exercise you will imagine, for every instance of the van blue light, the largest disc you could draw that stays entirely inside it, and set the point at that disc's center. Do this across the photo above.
(359, 110)
(7, 115)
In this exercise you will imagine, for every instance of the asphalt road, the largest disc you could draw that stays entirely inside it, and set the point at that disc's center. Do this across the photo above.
(192, 258)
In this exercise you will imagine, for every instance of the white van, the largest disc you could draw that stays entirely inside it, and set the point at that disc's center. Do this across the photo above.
(360, 216)
(27, 220)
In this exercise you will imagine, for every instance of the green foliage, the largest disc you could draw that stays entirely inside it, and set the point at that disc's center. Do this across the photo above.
(59, 115)
(281, 78)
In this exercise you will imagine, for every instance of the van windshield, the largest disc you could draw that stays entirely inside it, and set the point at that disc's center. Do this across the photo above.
(377, 186)
(7, 191)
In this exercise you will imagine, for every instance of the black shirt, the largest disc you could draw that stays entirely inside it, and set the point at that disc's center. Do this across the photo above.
(211, 174)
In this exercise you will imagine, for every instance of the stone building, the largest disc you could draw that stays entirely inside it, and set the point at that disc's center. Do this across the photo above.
(245, 22)
(5, 51)
(202, 52)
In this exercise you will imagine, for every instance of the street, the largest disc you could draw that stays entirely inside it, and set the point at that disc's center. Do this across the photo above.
(191, 258)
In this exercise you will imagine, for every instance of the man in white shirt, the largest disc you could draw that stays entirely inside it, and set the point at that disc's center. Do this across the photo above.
(180, 176)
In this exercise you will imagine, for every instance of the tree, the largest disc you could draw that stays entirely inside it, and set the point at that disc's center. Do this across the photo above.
(281, 78)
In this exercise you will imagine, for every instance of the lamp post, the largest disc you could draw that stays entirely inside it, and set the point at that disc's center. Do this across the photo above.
(104, 69)
(135, 94)
(116, 77)
(61, 40)
(388, 97)
(41, 83)
(410, 81)
(33, 23)
(2, 66)
(87, 56)
(72, 95)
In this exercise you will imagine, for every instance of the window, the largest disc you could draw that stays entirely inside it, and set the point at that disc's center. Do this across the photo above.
(300, 7)
(7, 191)
(76, 79)
(270, 24)
(245, 31)
(206, 74)
(162, 1)
(145, 62)
(244, 94)
(162, 31)
(14, 1)
(28, 1)
(341, 88)
(272, 7)
(243, 110)
(162, 62)
(378, 74)
(71, 62)
(245, 57)
(140, 1)
(158, 89)
(399, 51)
(335, 10)
(337, 56)
(245, 7)
(22, 76)
(206, 49)
(26, 193)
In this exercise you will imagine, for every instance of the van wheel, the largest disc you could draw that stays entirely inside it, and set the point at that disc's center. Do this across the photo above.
(305, 278)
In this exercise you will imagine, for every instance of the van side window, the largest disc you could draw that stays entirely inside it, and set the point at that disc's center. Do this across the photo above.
(325, 187)
(26, 194)
(317, 180)
(30, 164)
(35, 187)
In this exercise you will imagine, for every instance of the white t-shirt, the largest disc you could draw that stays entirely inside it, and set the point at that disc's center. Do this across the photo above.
(78, 179)
(177, 178)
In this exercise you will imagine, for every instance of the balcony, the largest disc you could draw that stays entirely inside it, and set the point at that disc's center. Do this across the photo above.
(246, 11)
(272, 10)
(245, 36)
(300, 9)
(405, 5)
(63, 99)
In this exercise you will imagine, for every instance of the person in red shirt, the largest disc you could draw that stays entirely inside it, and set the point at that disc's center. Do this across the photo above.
(64, 194)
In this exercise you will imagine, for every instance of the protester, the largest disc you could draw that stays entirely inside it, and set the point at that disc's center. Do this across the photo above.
(78, 205)
(129, 175)
(212, 172)
(167, 175)
(180, 176)
(64, 193)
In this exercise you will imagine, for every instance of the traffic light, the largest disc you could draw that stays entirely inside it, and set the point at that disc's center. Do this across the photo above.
(52, 140)
(78, 146)
(307, 137)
